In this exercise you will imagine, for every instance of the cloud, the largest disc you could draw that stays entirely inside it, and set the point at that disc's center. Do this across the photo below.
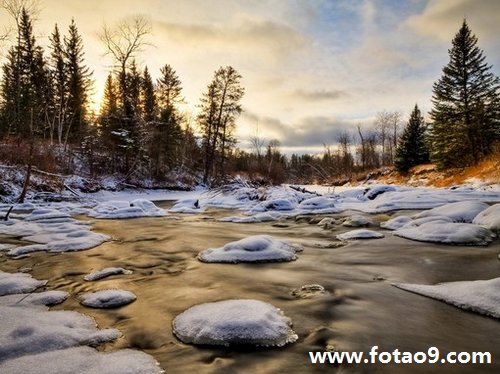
(317, 95)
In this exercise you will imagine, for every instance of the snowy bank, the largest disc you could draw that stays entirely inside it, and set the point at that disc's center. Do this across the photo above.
(481, 296)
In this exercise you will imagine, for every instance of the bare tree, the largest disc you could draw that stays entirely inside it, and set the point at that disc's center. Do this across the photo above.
(123, 41)
(346, 159)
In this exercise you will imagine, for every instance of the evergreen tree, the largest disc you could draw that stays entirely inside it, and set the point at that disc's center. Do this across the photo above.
(466, 105)
(412, 149)
(59, 82)
(148, 99)
(220, 106)
(78, 85)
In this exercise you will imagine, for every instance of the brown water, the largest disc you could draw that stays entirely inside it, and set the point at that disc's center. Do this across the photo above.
(361, 308)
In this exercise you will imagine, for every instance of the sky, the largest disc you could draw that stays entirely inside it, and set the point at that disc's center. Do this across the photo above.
(311, 68)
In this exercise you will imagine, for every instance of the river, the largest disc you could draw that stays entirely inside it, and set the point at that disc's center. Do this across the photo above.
(360, 309)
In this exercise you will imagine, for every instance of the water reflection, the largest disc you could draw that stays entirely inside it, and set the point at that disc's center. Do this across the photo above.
(359, 308)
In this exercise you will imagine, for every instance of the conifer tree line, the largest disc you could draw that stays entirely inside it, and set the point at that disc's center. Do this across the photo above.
(141, 134)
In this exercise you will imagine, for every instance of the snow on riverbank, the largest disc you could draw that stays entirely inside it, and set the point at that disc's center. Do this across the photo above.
(481, 296)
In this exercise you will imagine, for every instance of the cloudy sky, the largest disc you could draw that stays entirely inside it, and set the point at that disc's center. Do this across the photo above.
(311, 68)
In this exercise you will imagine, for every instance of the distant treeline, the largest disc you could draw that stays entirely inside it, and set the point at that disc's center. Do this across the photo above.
(141, 134)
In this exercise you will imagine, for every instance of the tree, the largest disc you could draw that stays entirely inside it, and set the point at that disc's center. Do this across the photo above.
(412, 148)
(220, 106)
(59, 82)
(78, 85)
(466, 105)
(148, 98)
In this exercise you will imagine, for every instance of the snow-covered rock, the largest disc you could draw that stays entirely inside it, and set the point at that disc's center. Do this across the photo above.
(83, 360)
(232, 322)
(447, 233)
(106, 272)
(43, 299)
(259, 217)
(357, 220)
(258, 248)
(489, 218)
(462, 211)
(125, 209)
(13, 283)
(360, 234)
(45, 214)
(316, 203)
(187, 206)
(107, 298)
(481, 296)
(375, 191)
(308, 291)
(327, 222)
(395, 223)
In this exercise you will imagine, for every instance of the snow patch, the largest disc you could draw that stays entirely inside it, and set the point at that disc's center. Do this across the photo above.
(396, 223)
(13, 283)
(357, 220)
(126, 209)
(447, 233)
(489, 218)
(233, 322)
(43, 299)
(462, 211)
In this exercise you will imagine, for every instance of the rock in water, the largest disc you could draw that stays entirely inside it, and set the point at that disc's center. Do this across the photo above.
(233, 322)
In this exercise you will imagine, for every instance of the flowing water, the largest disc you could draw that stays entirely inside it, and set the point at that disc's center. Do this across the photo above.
(359, 310)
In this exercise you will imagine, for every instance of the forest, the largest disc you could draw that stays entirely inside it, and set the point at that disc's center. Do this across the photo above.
(141, 137)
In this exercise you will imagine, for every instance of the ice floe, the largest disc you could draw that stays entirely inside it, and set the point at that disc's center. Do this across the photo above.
(13, 283)
(447, 233)
(107, 298)
(126, 209)
(106, 272)
(489, 218)
(481, 296)
(360, 234)
(462, 211)
(258, 248)
(232, 322)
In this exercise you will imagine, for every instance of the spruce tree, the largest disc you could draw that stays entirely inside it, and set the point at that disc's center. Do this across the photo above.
(412, 149)
(466, 105)
(148, 99)
(78, 84)
(59, 81)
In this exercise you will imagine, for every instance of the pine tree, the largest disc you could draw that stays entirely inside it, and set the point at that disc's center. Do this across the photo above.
(466, 105)
(148, 99)
(412, 148)
(79, 83)
(220, 106)
(59, 82)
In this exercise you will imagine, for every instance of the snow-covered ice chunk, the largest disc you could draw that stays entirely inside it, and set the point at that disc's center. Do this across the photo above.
(277, 204)
(107, 298)
(360, 234)
(125, 209)
(47, 298)
(12, 283)
(462, 211)
(395, 223)
(232, 322)
(26, 331)
(447, 233)
(83, 360)
(481, 296)
(258, 248)
(357, 220)
(106, 272)
(489, 218)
